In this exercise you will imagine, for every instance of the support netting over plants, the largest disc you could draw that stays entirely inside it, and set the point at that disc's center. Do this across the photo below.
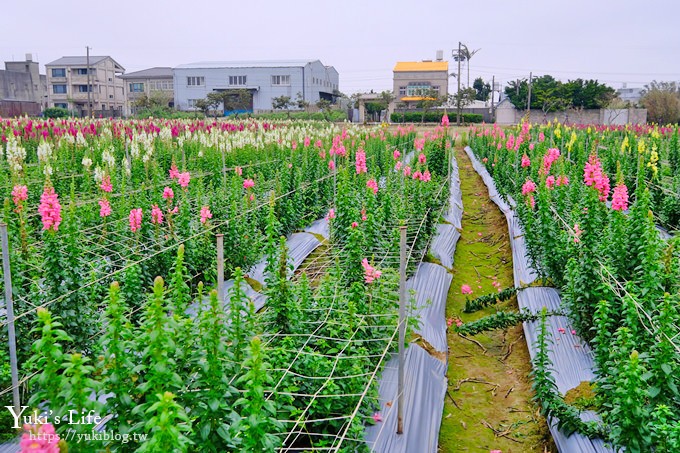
(425, 372)
(146, 201)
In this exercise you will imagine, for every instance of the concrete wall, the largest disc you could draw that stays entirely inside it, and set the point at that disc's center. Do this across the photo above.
(312, 81)
(509, 115)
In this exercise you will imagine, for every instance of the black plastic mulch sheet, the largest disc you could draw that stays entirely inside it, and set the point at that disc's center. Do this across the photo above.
(424, 390)
(571, 357)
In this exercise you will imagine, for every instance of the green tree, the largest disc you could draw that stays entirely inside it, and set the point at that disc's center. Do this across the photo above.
(300, 102)
(483, 89)
(662, 101)
(282, 103)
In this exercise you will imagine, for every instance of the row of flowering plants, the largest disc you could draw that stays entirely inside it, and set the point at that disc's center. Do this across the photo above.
(590, 200)
(220, 377)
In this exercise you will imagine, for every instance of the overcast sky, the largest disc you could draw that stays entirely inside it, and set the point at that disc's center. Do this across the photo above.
(612, 41)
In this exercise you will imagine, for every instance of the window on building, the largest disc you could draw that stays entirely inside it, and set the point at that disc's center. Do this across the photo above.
(83, 88)
(281, 80)
(61, 105)
(418, 88)
(239, 80)
(59, 89)
(136, 88)
(195, 81)
(82, 71)
(191, 103)
(103, 106)
(436, 88)
(402, 91)
(110, 96)
(59, 72)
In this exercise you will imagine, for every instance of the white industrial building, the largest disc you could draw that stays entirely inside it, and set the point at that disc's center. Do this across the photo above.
(265, 80)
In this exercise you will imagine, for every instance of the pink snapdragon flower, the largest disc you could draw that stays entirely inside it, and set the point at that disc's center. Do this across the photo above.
(370, 274)
(360, 163)
(426, 177)
(372, 184)
(104, 208)
(398, 165)
(174, 173)
(238, 170)
(550, 157)
(183, 179)
(396, 154)
(39, 439)
(206, 214)
(465, 289)
(594, 176)
(331, 214)
(19, 195)
(135, 219)
(50, 209)
(156, 215)
(417, 175)
(577, 233)
(562, 180)
(419, 144)
(168, 194)
(407, 171)
(106, 184)
(355, 224)
(377, 417)
(248, 183)
(422, 159)
(550, 182)
(526, 162)
(620, 198)
(528, 187)
(307, 141)
(445, 120)
(331, 165)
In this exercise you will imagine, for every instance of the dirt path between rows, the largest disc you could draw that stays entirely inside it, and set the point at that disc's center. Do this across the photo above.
(488, 373)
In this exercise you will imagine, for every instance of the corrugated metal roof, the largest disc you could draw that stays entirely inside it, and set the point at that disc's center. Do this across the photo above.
(245, 64)
(147, 73)
(419, 66)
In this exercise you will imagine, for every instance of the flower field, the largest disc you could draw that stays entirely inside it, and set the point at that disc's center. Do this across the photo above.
(596, 205)
(113, 228)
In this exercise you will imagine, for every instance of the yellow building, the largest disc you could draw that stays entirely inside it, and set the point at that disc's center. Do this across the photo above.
(415, 79)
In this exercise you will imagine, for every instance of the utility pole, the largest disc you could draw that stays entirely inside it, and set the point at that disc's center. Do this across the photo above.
(458, 92)
(529, 95)
(493, 93)
(89, 86)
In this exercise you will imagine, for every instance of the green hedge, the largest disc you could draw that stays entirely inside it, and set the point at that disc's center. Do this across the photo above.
(433, 117)
(333, 115)
(56, 112)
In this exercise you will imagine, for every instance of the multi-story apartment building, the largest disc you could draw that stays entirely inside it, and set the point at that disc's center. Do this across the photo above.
(68, 81)
(265, 80)
(153, 85)
(413, 79)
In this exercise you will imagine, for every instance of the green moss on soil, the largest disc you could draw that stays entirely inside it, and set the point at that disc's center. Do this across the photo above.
(582, 397)
(491, 387)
